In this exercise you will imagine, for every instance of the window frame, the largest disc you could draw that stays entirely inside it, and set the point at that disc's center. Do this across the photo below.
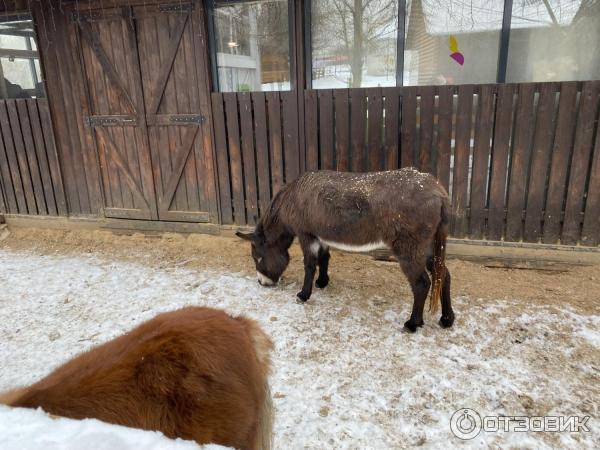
(211, 5)
(36, 75)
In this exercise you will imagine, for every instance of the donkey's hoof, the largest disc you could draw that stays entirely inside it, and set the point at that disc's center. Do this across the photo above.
(322, 282)
(302, 297)
(412, 326)
(447, 321)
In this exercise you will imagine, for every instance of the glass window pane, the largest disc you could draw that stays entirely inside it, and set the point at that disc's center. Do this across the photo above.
(20, 75)
(354, 43)
(452, 41)
(554, 40)
(253, 46)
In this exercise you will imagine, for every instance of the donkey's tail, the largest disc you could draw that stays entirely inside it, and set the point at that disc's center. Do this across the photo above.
(438, 272)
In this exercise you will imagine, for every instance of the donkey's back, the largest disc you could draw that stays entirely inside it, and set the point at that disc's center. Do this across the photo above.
(361, 208)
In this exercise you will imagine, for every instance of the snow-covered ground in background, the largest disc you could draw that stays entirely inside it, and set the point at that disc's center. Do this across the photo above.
(346, 375)
(27, 429)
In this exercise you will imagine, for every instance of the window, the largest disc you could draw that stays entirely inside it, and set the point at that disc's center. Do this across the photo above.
(451, 41)
(252, 42)
(20, 75)
(554, 40)
(354, 43)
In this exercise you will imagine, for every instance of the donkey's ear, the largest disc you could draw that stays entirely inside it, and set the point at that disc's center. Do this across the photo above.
(246, 236)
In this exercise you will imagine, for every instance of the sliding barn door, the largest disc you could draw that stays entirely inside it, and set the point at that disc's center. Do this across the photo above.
(117, 116)
(148, 94)
(168, 41)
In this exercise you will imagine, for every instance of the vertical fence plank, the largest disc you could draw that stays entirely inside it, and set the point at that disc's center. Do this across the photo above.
(426, 119)
(249, 166)
(222, 159)
(23, 165)
(444, 144)
(499, 163)
(342, 129)
(484, 125)
(544, 131)
(374, 129)
(262, 151)
(519, 164)
(326, 133)
(3, 208)
(42, 155)
(24, 124)
(235, 158)
(591, 223)
(391, 105)
(7, 180)
(275, 140)
(408, 127)
(461, 160)
(563, 143)
(358, 120)
(580, 163)
(53, 163)
(290, 138)
(311, 127)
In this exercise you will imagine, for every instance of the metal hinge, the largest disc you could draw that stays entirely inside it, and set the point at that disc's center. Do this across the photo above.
(176, 7)
(96, 121)
(187, 119)
(88, 16)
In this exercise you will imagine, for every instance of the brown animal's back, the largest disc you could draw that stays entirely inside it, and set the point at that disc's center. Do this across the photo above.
(196, 373)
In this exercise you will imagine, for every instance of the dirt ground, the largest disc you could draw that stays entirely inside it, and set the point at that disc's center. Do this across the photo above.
(578, 287)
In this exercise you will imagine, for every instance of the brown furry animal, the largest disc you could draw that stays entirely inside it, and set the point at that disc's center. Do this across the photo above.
(403, 210)
(196, 373)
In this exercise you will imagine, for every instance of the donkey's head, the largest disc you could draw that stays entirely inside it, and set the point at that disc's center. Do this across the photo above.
(270, 258)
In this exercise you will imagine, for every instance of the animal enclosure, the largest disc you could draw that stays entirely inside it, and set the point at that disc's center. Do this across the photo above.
(133, 131)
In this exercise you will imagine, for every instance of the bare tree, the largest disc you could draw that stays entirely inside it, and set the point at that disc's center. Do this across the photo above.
(353, 28)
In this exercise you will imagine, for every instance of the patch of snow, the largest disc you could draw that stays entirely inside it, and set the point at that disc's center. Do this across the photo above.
(28, 429)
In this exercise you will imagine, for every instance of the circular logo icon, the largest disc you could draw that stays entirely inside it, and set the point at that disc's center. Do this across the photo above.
(465, 423)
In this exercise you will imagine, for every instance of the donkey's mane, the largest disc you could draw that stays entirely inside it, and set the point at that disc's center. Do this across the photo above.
(271, 216)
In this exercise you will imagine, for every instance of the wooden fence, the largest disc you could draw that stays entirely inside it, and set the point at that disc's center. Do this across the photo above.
(521, 162)
(258, 150)
(30, 176)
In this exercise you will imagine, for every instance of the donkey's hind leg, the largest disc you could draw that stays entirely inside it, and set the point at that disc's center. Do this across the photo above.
(414, 269)
(447, 318)
(323, 262)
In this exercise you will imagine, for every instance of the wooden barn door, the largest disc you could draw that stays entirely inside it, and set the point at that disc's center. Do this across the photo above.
(144, 77)
(116, 113)
(169, 49)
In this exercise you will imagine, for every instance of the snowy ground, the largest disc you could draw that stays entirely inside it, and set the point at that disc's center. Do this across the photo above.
(346, 375)
(26, 429)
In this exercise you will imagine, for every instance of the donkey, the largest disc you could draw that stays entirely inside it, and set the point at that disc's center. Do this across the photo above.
(402, 210)
(196, 373)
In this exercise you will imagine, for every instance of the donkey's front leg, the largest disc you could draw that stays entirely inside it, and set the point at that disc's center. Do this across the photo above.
(323, 261)
(308, 245)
